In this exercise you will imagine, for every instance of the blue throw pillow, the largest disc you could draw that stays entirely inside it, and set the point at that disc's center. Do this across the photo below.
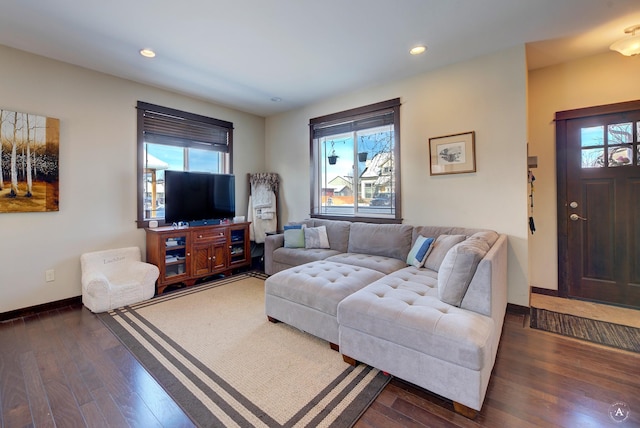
(419, 251)
(292, 226)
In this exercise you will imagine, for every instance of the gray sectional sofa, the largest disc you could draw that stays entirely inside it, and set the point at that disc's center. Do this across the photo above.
(437, 326)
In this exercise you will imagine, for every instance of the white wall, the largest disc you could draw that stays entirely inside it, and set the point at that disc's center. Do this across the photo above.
(602, 79)
(97, 171)
(486, 95)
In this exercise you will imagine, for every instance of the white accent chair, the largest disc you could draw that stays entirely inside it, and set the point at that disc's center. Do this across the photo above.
(115, 278)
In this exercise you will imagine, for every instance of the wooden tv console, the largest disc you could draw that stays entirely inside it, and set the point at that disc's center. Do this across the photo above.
(187, 254)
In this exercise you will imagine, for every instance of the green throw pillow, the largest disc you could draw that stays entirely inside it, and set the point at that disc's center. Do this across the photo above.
(294, 236)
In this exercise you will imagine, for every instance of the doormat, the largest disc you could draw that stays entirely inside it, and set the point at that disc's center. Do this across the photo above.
(601, 332)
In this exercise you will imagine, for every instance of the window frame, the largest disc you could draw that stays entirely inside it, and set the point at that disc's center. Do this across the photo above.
(200, 132)
(353, 115)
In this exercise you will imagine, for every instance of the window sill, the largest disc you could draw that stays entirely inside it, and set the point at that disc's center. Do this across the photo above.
(353, 219)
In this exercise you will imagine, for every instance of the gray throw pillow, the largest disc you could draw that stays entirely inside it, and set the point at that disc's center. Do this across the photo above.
(440, 248)
(488, 235)
(457, 269)
(316, 237)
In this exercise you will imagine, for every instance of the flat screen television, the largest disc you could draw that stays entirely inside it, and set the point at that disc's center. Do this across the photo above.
(198, 197)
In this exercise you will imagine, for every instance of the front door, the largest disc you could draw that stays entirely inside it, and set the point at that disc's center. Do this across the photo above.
(599, 203)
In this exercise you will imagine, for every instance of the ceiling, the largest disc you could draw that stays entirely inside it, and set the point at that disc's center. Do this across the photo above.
(246, 53)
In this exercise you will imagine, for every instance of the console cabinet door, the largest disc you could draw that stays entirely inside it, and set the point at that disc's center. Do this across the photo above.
(239, 248)
(202, 259)
(173, 257)
(209, 259)
(219, 262)
(209, 250)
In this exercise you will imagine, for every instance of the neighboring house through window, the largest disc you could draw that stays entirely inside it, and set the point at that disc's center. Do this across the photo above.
(170, 139)
(355, 157)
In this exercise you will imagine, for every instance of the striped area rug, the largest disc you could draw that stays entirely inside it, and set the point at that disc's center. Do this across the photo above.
(213, 350)
(601, 332)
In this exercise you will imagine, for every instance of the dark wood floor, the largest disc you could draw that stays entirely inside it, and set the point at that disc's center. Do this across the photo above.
(64, 368)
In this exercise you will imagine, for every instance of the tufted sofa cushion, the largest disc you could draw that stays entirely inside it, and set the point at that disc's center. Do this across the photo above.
(404, 308)
(379, 263)
(320, 285)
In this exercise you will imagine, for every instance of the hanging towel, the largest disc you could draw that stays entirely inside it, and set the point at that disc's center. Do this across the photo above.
(264, 220)
(262, 205)
(261, 195)
(252, 233)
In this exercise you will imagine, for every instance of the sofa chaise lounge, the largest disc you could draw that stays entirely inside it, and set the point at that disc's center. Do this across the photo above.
(435, 321)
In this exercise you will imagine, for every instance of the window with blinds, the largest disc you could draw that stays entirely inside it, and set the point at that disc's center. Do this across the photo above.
(170, 139)
(355, 156)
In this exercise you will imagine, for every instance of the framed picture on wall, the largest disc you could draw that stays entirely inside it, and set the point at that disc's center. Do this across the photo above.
(453, 154)
(29, 154)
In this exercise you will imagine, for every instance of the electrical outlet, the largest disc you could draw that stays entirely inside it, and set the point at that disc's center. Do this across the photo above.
(50, 275)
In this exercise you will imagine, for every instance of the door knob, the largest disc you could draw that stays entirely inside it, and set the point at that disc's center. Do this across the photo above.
(576, 217)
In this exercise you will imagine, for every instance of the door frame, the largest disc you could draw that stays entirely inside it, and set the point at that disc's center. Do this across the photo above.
(561, 118)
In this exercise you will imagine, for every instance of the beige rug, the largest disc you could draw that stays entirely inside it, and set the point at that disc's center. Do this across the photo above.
(213, 350)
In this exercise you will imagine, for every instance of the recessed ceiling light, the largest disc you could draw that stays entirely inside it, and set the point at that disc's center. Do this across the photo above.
(276, 99)
(148, 53)
(417, 50)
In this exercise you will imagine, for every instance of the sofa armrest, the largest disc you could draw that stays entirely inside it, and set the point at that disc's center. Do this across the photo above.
(271, 243)
(95, 282)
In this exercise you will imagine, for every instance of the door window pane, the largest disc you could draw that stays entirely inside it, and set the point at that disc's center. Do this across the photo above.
(592, 136)
(619, 156)
(620, 133)
(592, 158)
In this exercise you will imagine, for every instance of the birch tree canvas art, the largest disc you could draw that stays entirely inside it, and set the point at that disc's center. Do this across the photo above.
(29, 154)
